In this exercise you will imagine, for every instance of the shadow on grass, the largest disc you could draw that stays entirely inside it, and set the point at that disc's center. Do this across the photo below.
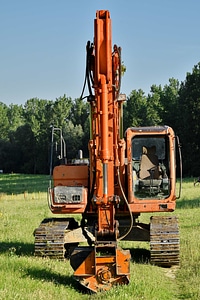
(16, 248)
(185, 203)
(56, 278)
(50, 276)
(22, 249)
(140, 255)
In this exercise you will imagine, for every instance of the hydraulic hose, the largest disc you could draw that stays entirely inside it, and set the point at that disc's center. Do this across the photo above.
(126, 201)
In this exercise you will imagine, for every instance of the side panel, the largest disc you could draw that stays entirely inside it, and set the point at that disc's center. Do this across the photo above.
(70, 175)
(69, 193)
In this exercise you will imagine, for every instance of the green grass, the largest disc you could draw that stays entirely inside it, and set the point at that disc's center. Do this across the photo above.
(25, 277)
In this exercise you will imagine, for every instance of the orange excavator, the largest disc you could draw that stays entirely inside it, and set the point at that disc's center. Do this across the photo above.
(125, 175)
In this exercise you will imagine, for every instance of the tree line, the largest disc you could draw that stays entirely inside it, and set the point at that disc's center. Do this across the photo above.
(25, 135)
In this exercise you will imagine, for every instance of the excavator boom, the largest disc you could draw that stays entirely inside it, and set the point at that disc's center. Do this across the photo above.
(106, 264)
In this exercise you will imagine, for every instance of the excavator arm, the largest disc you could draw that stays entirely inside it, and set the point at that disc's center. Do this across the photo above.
(100, 266)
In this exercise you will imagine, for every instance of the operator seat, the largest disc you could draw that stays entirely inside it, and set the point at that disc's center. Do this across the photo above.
(149, 173)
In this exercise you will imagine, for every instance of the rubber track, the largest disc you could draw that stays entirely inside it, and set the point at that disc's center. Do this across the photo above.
(164, 241)
(49, 238)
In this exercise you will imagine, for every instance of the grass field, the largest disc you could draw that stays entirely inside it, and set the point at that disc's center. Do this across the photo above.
(23, 205)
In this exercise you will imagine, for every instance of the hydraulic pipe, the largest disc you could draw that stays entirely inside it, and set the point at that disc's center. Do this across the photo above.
(105, 179)
(104, 153)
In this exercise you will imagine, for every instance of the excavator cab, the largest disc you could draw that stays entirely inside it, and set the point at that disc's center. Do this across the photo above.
(151, 153)
(150, 161)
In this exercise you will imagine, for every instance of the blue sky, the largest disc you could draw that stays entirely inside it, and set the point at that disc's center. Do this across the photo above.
(43, 42)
